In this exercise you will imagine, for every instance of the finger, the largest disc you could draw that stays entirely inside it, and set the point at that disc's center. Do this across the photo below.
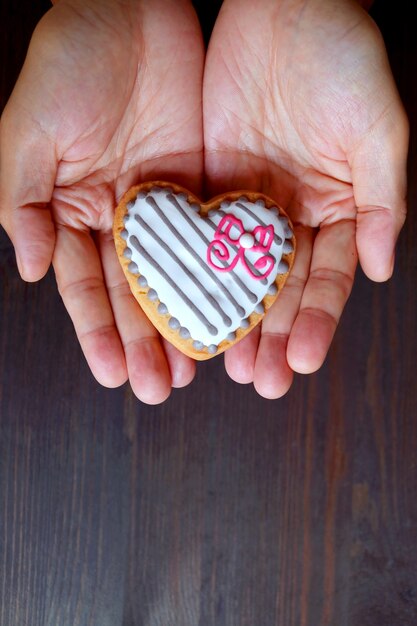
(273, 375)
(327, 290)
(182, 368)
(27, 175)
(147, 366)
(80, 282)
(379, 183)
(239, 360)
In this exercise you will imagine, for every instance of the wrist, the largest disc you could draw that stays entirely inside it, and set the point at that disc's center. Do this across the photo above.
(184, 2)
(299, 4)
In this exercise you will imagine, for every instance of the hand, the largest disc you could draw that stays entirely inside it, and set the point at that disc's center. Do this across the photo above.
(110, 94)
(300, 103)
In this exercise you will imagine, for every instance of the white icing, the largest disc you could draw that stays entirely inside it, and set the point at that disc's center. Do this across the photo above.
(247, 240)
(169, 293)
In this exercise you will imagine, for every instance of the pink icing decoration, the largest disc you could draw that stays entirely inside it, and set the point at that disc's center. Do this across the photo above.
(263, 238)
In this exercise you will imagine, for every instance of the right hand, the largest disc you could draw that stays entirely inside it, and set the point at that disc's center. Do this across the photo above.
(300, 102)
(110, 94)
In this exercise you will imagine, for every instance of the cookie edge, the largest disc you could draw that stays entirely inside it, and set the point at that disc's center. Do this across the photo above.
(160, 321)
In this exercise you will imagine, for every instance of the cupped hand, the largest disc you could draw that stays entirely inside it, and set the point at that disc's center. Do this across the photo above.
(300, 103)
(110, 94)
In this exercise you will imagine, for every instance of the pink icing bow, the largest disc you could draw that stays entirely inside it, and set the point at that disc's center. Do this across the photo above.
(263, 237)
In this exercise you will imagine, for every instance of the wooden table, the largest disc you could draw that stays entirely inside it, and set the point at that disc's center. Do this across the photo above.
(217, 508)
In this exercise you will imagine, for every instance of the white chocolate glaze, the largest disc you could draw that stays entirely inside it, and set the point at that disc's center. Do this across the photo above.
(167, 242)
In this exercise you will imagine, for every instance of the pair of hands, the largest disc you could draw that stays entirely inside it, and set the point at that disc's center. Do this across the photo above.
(294, 98)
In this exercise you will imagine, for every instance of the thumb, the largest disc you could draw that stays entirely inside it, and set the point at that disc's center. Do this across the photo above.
(379, 178)
(27, 175)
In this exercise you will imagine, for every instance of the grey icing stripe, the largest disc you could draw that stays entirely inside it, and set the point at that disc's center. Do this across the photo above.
(277, 238)
(137, 245)
(287, 247)
(151, 201)
(226, 319)
(263, 281)
(252, 297)
(287, 230)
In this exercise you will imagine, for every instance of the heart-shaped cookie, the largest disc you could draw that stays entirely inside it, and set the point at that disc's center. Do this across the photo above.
(204, 273)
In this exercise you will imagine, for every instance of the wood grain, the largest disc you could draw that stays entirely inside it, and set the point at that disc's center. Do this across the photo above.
(217, 508)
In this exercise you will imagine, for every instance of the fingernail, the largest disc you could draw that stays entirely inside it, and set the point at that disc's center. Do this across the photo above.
(177, 376)
(20, 266)
(392, 263)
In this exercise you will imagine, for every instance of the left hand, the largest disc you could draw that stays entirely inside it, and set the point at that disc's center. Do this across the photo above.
(109, 95)
(300, 103)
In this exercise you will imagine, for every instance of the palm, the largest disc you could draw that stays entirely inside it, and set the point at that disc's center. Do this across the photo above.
(298, 108)
(118, 100)
(128, 110)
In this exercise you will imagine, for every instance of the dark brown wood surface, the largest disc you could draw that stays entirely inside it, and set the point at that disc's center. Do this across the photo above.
(217, 508)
